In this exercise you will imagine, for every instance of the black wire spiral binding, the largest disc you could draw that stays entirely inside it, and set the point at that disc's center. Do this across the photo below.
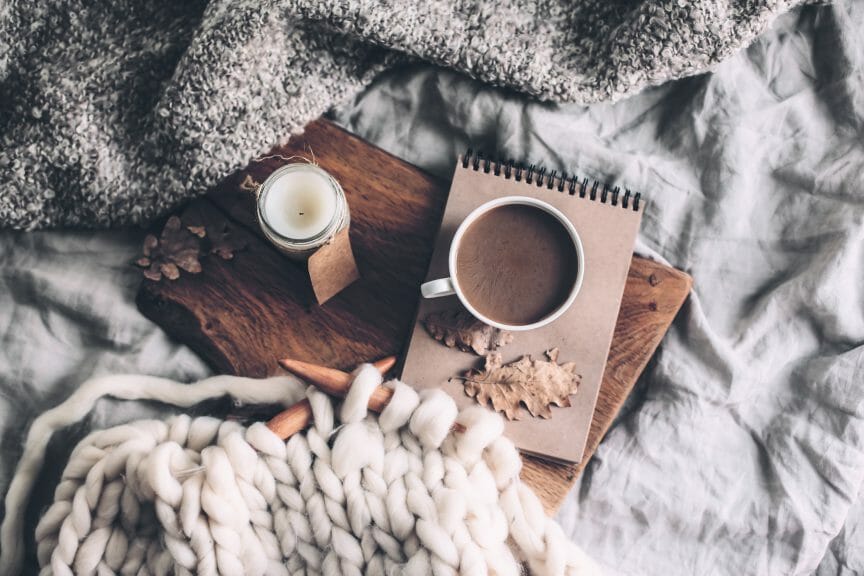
(593, 189)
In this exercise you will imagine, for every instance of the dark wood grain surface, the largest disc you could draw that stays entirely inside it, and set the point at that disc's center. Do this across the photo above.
(242, 314)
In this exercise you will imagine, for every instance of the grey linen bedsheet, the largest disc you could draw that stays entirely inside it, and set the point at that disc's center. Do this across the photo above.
(741, 449)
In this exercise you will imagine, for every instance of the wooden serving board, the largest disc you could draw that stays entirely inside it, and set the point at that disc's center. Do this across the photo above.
(243, 314)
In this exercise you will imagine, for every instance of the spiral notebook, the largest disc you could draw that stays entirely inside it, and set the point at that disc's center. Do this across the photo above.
(607, 220)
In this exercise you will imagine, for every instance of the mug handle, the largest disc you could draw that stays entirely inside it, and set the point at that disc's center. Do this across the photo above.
(437, 288)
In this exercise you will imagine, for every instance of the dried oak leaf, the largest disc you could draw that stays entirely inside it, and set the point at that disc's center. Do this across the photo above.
(459, 329)
(536, 384)
(176, 249)
(223, 243)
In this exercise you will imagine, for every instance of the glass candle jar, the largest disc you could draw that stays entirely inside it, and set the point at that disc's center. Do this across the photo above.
(300, 208)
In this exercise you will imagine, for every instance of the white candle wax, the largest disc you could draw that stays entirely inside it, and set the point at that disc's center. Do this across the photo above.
(300, 205)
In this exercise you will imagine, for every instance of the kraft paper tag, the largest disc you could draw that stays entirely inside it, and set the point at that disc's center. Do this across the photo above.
(332, 267)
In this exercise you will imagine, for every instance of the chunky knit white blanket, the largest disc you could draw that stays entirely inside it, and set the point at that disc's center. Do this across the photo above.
(397, 493)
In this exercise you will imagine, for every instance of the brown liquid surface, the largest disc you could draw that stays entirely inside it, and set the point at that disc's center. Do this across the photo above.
(516, 264)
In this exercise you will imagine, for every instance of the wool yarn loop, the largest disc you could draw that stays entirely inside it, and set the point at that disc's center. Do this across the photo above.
(356, 493)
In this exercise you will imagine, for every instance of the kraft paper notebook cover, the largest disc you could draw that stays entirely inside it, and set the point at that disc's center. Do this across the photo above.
(607, 220)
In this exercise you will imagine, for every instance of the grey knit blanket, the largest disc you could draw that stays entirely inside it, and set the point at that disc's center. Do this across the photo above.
(112, 112)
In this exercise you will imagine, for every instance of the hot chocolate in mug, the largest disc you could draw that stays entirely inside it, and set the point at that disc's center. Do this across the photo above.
(515, 263)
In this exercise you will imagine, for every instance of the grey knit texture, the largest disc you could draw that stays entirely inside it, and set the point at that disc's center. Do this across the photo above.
(113, 112)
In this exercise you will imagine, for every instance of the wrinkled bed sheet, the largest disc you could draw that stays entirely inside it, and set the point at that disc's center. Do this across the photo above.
(741, 450)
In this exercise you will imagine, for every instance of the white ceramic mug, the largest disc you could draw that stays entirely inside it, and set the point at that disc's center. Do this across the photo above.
(450, 286)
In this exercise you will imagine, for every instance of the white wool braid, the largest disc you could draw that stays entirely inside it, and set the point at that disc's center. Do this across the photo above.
(362, 494)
